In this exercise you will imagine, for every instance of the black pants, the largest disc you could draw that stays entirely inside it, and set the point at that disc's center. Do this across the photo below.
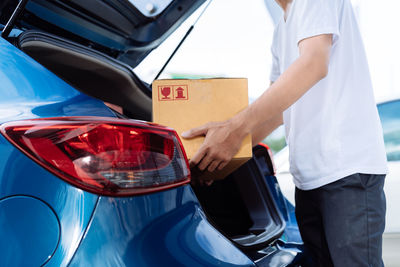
(342, 223)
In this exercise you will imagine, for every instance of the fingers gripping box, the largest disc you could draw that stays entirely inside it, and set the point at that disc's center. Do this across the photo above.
(186, 104)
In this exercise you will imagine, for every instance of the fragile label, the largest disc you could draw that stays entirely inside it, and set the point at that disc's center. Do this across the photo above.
(173, 92)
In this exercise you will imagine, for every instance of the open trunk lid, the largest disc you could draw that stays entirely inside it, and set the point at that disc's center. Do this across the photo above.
(125, 29)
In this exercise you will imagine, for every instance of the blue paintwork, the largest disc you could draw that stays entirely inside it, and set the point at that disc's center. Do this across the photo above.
(28, 90)
(19, 175)
(23, 221)
(171, 231)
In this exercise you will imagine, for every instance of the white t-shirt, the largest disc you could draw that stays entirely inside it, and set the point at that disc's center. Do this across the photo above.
(334, 129)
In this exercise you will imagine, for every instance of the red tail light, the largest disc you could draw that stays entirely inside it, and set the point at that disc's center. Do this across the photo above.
(103, 155)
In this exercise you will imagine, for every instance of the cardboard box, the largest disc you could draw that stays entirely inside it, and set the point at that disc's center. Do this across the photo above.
(185, 104)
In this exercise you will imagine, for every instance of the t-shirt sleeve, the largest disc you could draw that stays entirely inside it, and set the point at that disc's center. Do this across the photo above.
(275, 70)
(316, 17)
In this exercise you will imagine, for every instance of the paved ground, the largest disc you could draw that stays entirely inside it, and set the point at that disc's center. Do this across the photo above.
(391, 250)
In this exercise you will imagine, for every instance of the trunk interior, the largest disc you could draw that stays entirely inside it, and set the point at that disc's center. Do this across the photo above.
(242, 206)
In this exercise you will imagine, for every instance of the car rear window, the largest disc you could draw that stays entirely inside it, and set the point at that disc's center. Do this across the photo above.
(150, 8)
(390, 118)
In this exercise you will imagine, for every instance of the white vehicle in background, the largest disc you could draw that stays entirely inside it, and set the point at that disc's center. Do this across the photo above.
(389, 112)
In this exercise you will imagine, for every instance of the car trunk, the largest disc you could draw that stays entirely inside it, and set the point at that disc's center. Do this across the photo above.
(124, 29)
(242, 206)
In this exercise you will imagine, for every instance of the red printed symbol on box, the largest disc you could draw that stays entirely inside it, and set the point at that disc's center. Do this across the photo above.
(165, 92)
(175, 92)
(181, 92)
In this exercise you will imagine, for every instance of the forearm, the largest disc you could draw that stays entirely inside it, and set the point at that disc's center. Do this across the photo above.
(287, 89)
(310, 67)
(260, 133)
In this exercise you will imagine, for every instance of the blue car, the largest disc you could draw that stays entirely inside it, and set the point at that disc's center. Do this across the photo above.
(84, 185)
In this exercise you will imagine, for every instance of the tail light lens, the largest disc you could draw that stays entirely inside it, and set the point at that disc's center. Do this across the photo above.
(104, 156)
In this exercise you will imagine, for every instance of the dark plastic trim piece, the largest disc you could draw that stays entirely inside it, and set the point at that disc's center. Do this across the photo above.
(243, 207)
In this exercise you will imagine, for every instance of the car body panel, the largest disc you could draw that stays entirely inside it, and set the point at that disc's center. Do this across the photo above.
(19, 235)
(28, 90)
(172, 231)
(20, 176)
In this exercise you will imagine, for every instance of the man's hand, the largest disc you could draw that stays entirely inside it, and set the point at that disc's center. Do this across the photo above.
(222, 141)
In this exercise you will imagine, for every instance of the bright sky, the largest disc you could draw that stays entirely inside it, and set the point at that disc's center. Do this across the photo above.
(379, 22)
(233, 39)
